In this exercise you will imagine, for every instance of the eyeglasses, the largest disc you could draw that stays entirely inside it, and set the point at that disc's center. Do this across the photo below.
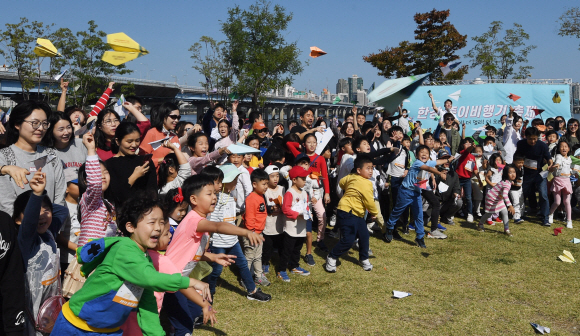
(174, 116)
(36, 124)
(110, 122)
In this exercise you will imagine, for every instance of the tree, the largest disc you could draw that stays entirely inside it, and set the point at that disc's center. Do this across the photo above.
(259, 55)
(498, 57)
(437, 41)
(213, 65)
(570, 23)
(18, 42)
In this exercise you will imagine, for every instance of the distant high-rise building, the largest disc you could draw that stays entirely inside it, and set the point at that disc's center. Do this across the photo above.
(355, 83)
(341, 86)
(361, 97)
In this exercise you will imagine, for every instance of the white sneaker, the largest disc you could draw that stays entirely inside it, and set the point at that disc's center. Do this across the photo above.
(366, 265)
(333, 220)
(478, 214)
(569, 225)
(470, 218)
(551, 219)
(330, 265)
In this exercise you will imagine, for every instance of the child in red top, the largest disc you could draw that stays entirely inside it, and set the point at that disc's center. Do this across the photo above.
(466, 169)
(255, 219)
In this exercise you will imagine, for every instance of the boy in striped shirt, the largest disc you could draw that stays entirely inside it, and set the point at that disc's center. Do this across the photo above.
(225, 211)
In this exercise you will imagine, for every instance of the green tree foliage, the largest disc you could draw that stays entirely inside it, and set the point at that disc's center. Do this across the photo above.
(17, 43)
(437, 41)
(570, 23)
(256, 48)
(210, 62)
(498, 56)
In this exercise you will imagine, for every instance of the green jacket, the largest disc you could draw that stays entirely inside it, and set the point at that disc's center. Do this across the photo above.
(123, 280)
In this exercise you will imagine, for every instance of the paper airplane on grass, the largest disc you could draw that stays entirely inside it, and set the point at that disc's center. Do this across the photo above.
(557, 231)
(125, 49)
(243, 149)
(540, 329)
(400, 295)
(45, 48)
(575, 241)
(513, 97)
(316, 52)
(567, 257)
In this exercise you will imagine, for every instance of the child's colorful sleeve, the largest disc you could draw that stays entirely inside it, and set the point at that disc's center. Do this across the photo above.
(293, 148)
(287, 206)
(506, 194)
(101, 104)
(139, 271)
(147, 315)
(324, 169)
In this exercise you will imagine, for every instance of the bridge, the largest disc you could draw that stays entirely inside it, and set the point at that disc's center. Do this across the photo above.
(191, 99)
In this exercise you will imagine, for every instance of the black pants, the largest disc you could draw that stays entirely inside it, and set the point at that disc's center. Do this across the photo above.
(290, 256)
(271, 242)
(434, 205)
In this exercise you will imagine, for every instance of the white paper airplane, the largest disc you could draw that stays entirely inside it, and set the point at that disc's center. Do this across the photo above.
(400, 295)
(455, 95)
(59, 76)
(406, 101)
(540, 329)
(575, 241)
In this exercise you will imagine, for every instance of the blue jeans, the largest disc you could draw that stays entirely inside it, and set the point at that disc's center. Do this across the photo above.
(181, 312)
(241, 263)
(465, 183)
(396, 185)
(541, 186)
(405, 198)
(351, 227)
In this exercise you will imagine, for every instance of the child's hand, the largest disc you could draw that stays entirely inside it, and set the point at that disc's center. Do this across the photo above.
(235, 104)
(511, 210)
(202, 287)
(18, 174)
(443, 175)
(63, 85)
(261, 165)
(111, 85)
(405, 173)
(224, 259)
(254, 238)
(38, 182)
(89, 141)
(170, 145)
(314, 200)
(209, 315)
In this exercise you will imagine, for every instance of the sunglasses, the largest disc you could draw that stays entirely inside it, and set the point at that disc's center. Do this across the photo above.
(449, 118)
(174, 116)
(263, 130)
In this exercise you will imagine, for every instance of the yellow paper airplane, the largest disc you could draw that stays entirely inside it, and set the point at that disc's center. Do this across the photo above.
(126, 49)
(45, 48)
(567, 257)
(556, 99)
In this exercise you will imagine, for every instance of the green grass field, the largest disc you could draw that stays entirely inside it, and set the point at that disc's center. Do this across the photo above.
(469, 284)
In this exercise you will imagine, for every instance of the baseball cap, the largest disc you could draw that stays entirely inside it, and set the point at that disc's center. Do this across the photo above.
(302, 156)
(258, 125)
(297, 171)
(71, 175)
(443, 154)
(230, 172)
(272, 169)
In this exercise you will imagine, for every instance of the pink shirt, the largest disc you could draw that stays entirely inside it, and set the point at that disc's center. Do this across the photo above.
(187, 245)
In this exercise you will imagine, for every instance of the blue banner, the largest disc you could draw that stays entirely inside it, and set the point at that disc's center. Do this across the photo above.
(480, 104)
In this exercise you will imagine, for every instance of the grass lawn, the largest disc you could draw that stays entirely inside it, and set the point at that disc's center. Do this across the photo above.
(469, 284)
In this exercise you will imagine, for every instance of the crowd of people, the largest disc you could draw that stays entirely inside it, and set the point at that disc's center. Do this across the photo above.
(121, 224)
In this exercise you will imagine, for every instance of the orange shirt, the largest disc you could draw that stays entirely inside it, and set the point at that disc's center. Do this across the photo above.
(256, 214)
(153, 135)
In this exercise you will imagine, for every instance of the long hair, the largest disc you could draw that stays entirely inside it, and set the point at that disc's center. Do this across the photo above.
(124, 128)
(170, 160)
(100, 137)
(159, 114)
(49, 140)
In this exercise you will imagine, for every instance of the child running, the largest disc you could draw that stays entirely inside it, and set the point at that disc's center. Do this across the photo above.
(497, 199)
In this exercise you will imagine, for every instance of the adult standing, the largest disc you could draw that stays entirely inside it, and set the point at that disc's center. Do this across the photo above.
(306, 120)
(60, 136)
(446, 125)
(27, 126)
(163, 122)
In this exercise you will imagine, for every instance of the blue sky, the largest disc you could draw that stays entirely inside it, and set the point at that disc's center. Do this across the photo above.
(346, 30)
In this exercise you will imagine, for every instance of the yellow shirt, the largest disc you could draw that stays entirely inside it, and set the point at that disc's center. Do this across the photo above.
(254, 162)
(358, 195)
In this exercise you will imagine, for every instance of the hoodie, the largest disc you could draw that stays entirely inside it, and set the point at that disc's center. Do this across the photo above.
(123, 280)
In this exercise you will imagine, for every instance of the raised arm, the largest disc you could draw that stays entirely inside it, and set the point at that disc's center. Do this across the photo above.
(102, 103)
(433, 102)
(62, 100)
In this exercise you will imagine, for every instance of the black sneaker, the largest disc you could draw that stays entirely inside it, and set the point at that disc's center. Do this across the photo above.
(258, 295)
(420, 242)
(396, 235)
(309, 260)
(388, 236)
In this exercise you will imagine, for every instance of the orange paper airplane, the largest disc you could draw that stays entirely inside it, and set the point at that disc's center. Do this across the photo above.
(513, 97)
(316, 52)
